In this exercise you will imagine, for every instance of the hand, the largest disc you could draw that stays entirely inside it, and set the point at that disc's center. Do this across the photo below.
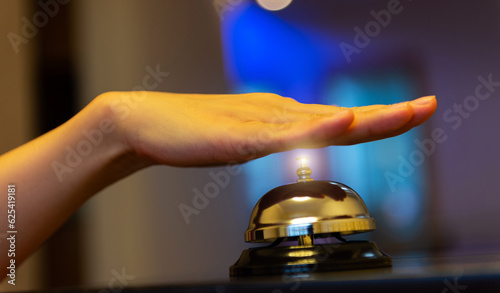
(196, 130)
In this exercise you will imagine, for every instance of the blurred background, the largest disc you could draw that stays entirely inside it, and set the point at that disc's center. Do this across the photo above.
(432, 191)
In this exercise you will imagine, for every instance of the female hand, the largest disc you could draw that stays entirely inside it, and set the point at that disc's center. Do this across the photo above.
(196, 130)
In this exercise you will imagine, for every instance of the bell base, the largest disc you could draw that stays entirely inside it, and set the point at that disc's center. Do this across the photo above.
(351, 255)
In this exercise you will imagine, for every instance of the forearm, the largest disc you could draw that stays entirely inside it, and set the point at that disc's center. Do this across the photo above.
(57, 172)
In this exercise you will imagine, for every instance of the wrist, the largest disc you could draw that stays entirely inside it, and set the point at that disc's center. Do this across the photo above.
(103, 128)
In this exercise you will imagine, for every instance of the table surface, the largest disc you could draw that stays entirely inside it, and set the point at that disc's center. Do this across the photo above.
(441, 274)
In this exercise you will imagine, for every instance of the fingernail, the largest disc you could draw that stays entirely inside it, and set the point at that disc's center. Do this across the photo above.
(423, 100)
(399, 105)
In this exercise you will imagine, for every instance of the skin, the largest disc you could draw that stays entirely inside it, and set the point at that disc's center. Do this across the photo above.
(141, 129)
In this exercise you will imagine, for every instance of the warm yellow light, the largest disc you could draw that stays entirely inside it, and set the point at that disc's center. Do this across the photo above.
(274, 5)
(303, 160)
(301, 253)
(300, 198)
(304, 220)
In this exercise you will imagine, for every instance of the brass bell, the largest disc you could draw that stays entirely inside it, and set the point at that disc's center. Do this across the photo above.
(304, 212)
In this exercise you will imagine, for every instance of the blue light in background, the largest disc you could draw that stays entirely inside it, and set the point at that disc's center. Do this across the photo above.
(363, 166)
(262, 52)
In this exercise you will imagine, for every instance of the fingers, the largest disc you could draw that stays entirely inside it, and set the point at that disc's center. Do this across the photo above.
(386, 121)
(423, 108)
(346, 127)
(269, 138)
(285, 110)
(315, 133)
(377, 123)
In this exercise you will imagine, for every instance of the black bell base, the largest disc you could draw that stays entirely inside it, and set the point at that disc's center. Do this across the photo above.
(352, 255)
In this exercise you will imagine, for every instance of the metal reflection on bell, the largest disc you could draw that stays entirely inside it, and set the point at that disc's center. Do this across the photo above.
(304, 212)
